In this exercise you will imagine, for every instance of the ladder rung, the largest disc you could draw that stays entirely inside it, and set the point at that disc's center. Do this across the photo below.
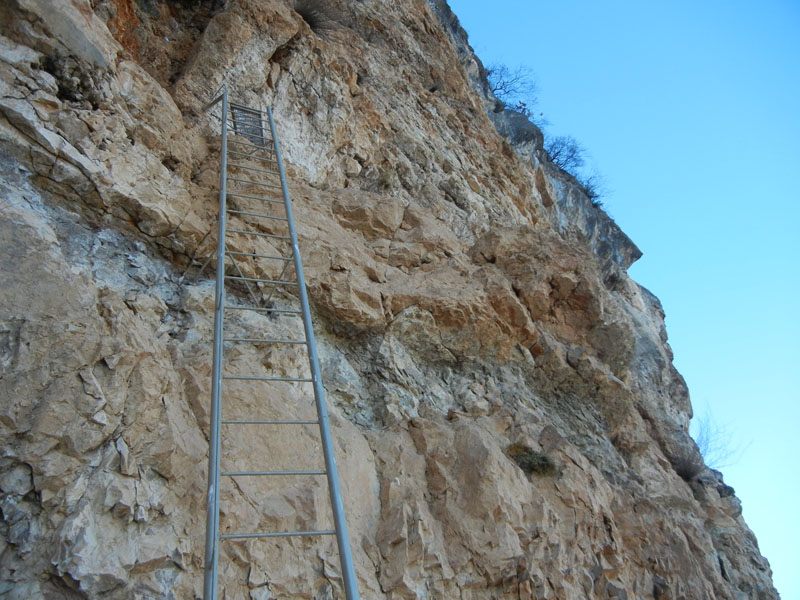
(272, 310)
(247, 181)
(254, 169)
(235, 536)
(266, 422)
(258, 255)
(269, 473)
(272, 281)
(247, 109)
(252, 136)
(264, 147)
(271, 200)
(258, 378)
(263, 341)
(251, 131)
(269, 235)
(253, 156)
(252, 214)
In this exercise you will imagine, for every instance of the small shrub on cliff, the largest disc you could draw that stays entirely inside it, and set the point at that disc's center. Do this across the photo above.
(384, 179)
(688, 466)
(515, 89)
(593, 187)
(567, 154)
(320, 16)
(531, 461)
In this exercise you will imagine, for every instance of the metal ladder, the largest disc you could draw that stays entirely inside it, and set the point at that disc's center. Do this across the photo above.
(256, 164)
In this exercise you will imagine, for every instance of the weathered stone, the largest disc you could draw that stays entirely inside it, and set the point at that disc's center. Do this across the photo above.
(16, 480)
(467, 298)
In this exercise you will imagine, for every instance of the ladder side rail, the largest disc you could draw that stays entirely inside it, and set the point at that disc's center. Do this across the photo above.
(212, 498)
(342, 537)
(216, 100)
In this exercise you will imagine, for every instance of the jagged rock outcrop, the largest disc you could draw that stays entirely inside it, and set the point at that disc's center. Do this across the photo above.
(508, 419)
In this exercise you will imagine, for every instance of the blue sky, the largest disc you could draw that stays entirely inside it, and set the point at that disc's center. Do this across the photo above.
(691, 112)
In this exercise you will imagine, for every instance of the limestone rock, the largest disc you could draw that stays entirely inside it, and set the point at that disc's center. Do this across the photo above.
(468, 298)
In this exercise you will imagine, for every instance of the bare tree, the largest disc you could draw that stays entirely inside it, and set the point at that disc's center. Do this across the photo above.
(593, 186)
(565, 152)
(516, 89)
(715, 442)
(512, 87)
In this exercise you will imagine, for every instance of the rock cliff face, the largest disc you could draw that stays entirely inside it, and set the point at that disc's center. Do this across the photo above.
(507, 416)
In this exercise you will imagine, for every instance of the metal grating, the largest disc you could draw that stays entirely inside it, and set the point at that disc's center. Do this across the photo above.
(247, 123)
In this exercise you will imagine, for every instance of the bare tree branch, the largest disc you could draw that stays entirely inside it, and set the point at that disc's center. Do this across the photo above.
(715, 442)
(565, 152)
(512, 87)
